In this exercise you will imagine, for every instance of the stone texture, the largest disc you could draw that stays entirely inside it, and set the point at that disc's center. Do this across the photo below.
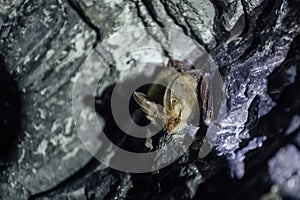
(44, 43)
(254, 44)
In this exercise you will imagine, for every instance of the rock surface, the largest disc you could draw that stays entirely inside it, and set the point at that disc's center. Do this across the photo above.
(46, 44)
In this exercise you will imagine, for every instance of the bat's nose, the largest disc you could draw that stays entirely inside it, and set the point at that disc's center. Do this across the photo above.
(169, 127)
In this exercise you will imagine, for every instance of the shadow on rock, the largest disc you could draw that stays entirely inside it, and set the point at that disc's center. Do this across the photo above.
(10, 117)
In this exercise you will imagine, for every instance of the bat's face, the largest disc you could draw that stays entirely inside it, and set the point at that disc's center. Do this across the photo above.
(173, 120)
(178, 102)
(170, 117)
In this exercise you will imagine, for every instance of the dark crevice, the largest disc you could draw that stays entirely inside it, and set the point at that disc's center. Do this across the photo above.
(281, 77)
(280, 115)
(10, 117)
(184, 28)
(176, 22)
(260, 186)
(295, 49)
(296, 144)
(243, 189)
(139, 14)
(76, 7)
(151, 11)
(252, 119)
(247, 18)
(253, 17)
(220, 32)
(251, 49)
(271, 147)
(251, 20)
(268, 12)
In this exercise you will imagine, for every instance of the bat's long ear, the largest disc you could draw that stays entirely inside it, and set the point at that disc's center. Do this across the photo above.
(173, 95)
(151, 109)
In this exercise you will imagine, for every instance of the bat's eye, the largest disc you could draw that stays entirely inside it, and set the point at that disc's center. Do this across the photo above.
(176, 119)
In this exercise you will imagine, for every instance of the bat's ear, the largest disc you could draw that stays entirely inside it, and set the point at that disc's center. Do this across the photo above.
(173, 95)
(151, 109)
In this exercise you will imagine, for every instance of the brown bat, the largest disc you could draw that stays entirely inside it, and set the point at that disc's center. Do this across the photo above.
(172, 106)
